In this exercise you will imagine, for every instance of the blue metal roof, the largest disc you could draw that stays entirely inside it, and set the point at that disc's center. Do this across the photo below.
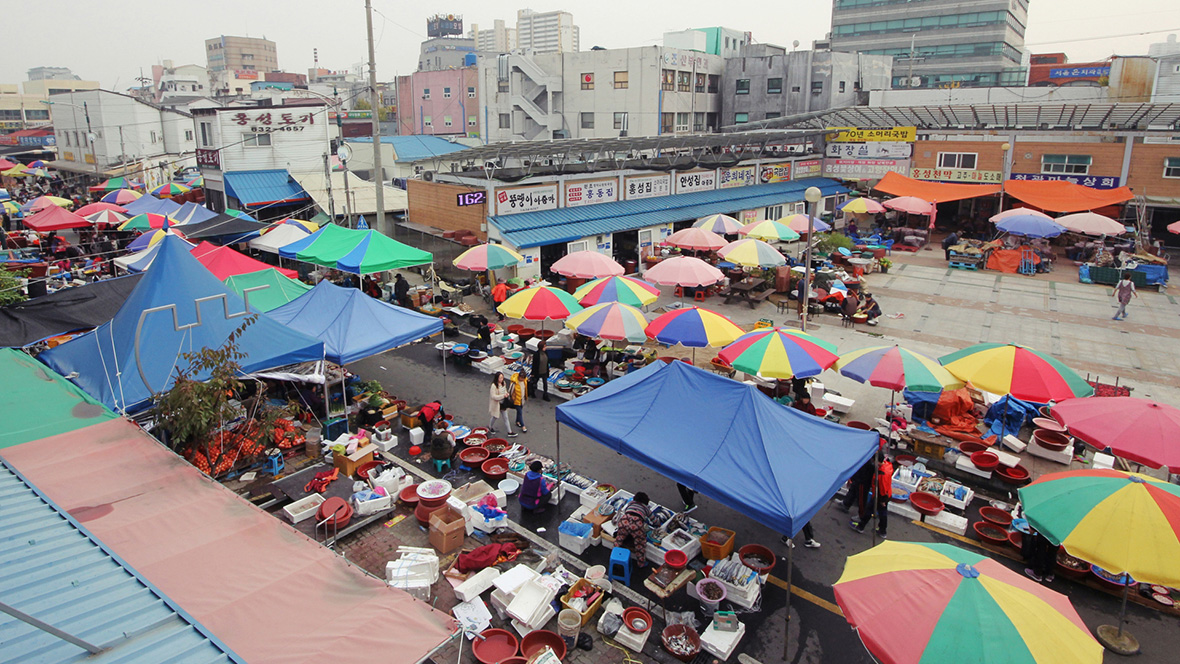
(415, 147)
(56, 572)
(255, 188)
(534, 229)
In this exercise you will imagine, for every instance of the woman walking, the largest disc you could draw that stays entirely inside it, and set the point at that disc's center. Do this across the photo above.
(1123, 292)
(517, 387)
(497, 396)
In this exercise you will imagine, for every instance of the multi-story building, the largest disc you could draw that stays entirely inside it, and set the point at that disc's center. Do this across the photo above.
(725, 42)
(642, 91)
(235, 62)
(52, 74)
(500, 39)
(546, 32)
(441, 53)
(440, 103)
(768, 82)
(937, 43)
(184, 81)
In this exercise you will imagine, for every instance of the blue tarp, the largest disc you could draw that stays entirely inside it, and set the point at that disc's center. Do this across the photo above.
(105, 358)
(151, 204)
(1009, 413)
(724, 439)
(353, 325)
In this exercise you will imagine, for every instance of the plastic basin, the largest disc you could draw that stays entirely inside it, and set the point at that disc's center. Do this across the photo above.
(905, 459)
(1014, 475)
(926, 503)
(674, 634)
(990, 532)
(1048, 424)
(536, 641)
(495, 469)
(637, 620)
(985, 460)
(1016, 539)
(409, 495)
(750, 554)
(859, 425)
(473, 456)
(1051, 440)
(675, 559)
(336, 510)
(704, 594)
(497, 646)
(508, 486)
(495, 446)
(970, 447)
(514, 329)
(995, 515)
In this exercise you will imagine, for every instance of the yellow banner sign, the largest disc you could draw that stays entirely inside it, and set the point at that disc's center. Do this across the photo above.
(868, 134)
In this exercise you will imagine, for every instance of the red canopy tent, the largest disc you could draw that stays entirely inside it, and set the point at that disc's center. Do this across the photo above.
(224, 262)
(54, 218)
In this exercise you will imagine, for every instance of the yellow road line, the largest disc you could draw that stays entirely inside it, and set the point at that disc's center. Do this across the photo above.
(967, 540)
(814, 599)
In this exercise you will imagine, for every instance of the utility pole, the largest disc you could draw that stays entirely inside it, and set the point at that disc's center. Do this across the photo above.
(375, 103)
(122, 152)
(328, 180)
(90, 138)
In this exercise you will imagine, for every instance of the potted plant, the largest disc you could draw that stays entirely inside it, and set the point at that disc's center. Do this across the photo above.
(885, 264)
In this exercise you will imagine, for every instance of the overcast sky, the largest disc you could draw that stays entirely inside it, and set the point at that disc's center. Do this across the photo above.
(111, 41)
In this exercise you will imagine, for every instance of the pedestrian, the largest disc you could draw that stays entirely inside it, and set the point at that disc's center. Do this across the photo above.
(498, 401)
(849, 306)
(401, 291)
(499, 294)
(1040, 554)
(534, 489)
(516, 395)
(1123, 292)
(803, 403)
(809, 540)
(631, 527)
(688, 496)
(483, 338)
(948, 242)
(541, 370)
(801, 295)
(882, 493)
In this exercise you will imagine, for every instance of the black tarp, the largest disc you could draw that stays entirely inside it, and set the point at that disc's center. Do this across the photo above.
(234, 229)
(77, 308)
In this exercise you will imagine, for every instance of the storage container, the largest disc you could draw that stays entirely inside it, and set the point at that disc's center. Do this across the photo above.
(592, 607)
(304, 508)
(712, 550)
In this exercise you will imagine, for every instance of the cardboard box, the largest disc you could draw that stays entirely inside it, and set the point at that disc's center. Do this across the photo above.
(348, 464)
(447, 530)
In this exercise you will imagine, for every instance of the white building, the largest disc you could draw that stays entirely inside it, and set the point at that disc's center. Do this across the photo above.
(180, 82)
(546, 32)
(642, 91)
(500, 39)
(128, 136)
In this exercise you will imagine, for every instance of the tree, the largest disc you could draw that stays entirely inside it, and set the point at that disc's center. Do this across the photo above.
(11, 290)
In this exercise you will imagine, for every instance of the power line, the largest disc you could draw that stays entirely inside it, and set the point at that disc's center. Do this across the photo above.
(1082, 39)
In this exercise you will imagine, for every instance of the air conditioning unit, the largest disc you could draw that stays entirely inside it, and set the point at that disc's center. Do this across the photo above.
(428, 176)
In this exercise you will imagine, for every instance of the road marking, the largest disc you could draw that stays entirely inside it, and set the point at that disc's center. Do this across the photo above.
(814, 599)
(966, 540)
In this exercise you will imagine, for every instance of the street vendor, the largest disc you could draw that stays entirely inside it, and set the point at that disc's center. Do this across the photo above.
(401, 291)
(803, 403)
(631, 527)
(431, 412)
(870, 308)
(442, 445)
(499, 294)
(534, 490)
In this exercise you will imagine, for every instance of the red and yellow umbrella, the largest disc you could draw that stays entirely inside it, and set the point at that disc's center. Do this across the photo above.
(540, 303)
(170, 189)
(144, 222)
(628, 290)
(1016, 370)
(779, 353)
(695, 328)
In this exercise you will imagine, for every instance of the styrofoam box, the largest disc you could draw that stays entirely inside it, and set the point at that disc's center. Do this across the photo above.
(949, 522)
(304, 508)
(1103, 460)
(530, 598)
(948, 495)
(904, 510)
(476, 584)
(817, 391)
(367, 507)
(500, 603)
(839, 404)
(592, 497)
(1063, 457)
(510, 581)
(572, 543)
(543, 617)
(480, 523)
(722, 644)
(459, 507)
(417, 436)
(419, 589)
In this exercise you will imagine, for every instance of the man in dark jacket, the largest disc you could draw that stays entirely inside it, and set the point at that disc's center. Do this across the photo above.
(401, 291)
(540, 370)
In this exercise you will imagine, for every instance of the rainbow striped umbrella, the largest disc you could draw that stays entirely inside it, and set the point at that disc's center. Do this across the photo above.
(798, 223)
(91, 208)
(628, 290)
(752, 253)
(121, 196)
(612, 321)
(113, 184)
(896, 368)
(696, 239)
(1016, 370)
(695, 328)
(45, 202)
(10, 207)
(240, 215)
(914, 603)
(770, 231)
(779, 353)
(18, 171)
(722, 224)
(483, 257)
(862, 206)
(170, 189)
(144, 222)
(196, 182)
(38, 163)
(106, 217)
(540, 303)
(36, 172)
(150, 238)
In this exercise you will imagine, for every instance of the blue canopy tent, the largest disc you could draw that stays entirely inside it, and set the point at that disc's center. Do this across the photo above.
(123, 374)
(151, 205)
(192, 213)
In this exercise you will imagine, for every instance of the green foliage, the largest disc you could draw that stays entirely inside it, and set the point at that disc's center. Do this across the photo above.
(830, 242)
(10, 286)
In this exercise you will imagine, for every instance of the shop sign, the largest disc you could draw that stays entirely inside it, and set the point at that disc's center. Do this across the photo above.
(69, 156)
(515, 200)
(265, 122)
(1092, 181)
(683, 60)
(957, 175)
(589, 192)
(1079, 72)
(869, 150)
(780, 172)
(811, 168)
(748, 217)
(209, 158)
(350, 115)
(88, 157)
(864, 169)
(646, 186)
(738, 176)
(871, 134)
(696, 181)
(246, 74)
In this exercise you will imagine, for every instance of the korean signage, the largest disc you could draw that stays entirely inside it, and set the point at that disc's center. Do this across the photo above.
(646, 186)
(350, 115)
(864, 169)
(957, 175)
(686, 60)
(589, 192)
(1092, 181)
(68, 156)
(865, 135)
(514, 200)
(869, 150)
(748, 216)
(696, 181)
(1079, 72)
(811, 168)
(209, 158)
(780, 172)
(738, 176)
(246, 74)
(265, 122)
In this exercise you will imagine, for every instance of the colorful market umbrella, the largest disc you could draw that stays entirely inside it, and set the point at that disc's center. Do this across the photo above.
(914, 603)
(694, 327)
(5, 164)
(896, 368)
(612, 321)
(1174, 227)
(170, 189)
(751, 253)
(1141, 430)
(42, 202)
(1016, 212)
(697, 239)
(1090, 223)
(17, 171)
(54, 218)
(150, 238)
(722, 224)
(38, 163)
(685, 271)
(113, 184)
(309, 226)
(1030, 225)
(145, 221)
(483, 257)
(10, 207)
(1017, 370)
(36, 172)
(910, 205)
(109, 217)
(769, 230)
(862, 206)
(121, 196)
(779, 353)
(798, 223)
(540, 303)
(240, 214)
(91, 208)
(195, 183)
(628, 290)
(587, 265)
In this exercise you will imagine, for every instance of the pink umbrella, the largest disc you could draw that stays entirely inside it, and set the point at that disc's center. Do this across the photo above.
(910, 204)
(1174, 227)
(1089, 223)
(587, 265)
(1016, 212)
(683, 271)
(87, 210)
(697, 239)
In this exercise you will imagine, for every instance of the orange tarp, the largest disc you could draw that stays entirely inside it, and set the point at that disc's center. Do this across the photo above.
(1007, 260)
(897, 184)
(1062, 196)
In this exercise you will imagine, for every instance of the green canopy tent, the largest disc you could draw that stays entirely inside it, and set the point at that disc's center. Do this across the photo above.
(274, 288)
(355, 251)
(40, 403)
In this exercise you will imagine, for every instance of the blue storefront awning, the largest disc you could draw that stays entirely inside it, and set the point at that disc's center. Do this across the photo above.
(270, 187)
(534, 229)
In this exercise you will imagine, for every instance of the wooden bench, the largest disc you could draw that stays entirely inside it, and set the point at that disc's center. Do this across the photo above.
(757, 299)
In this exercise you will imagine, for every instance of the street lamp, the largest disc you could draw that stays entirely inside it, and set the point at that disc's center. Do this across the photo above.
(812, 196)
(1005, 170)
(89, 133)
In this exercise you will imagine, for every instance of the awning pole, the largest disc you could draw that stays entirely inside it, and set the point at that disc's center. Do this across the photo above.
(790, 586)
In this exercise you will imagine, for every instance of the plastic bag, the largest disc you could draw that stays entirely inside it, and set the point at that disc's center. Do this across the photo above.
(359, 486)
(611, 622)
(682, 618)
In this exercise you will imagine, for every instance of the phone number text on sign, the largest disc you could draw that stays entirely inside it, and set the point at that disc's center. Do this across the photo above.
(526, 199)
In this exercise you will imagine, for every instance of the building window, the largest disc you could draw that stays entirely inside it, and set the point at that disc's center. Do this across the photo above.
(700, 83)
(471, 120)
(1172, 167)
(256, 140)
(621, 79)
(67, 135)
(446, 93)
(427, 122)
(774, 86)
(188, 134)
(446, 121)
(620, 120)
(153, 135)
(817, 87)
(587, 120)
(1068, 164)
(505, 121)
(961, 160)
(794, 88)
(471, 92)
(770, 115)
(668, 82)
(426, 93)
(206, 134)
(741, 118)
(698, 121)
(682, 122)
(841, 87)
(684, 81)
(587, 81)
(502, 86)
(714, 83)
(743, 86)
(774, 212)
(666, 122)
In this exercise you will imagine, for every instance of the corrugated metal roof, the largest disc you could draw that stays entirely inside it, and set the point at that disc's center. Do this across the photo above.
(416, 148)
(534, 229)
(58, 574)
(264, 187)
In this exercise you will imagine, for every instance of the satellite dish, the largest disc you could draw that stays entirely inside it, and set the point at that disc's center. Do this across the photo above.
(795, 44)
(344, 152)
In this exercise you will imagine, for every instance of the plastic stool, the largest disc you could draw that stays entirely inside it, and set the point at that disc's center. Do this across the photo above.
(699, 296)
(620, 558)
(274, 464)
(439, 464)
(678, 292)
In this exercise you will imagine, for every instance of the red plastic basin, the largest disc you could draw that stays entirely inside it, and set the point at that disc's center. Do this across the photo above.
(970, 447)
(1014, 475)
(536, 641)
(495, 469)
(495, 446)
(985, 460)
(497, 646)
(859, 425)
(1016, 539)
(409, 495)
(473, 455)
(750, 551)
(995, 515)
(926, 503)
(675, 559)
(1051, 440)
(632, 615)
(1048, 424)
(990, 532)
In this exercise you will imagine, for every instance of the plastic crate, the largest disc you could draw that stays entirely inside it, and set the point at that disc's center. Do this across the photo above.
(590, 610)
(712, 551)
(575, 543)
